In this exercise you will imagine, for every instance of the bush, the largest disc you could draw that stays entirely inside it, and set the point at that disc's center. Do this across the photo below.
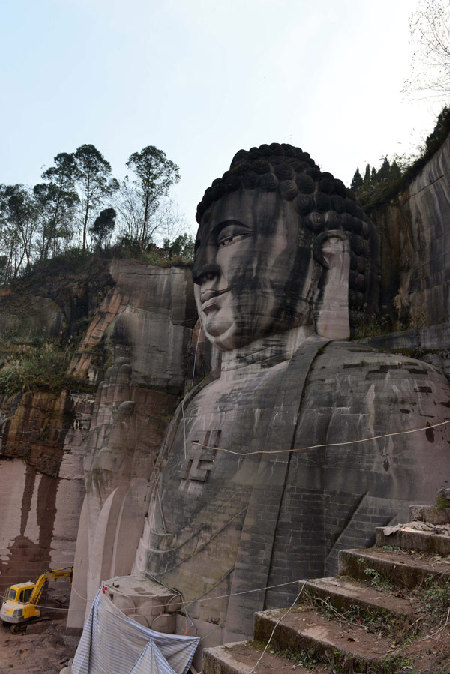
(39, 367)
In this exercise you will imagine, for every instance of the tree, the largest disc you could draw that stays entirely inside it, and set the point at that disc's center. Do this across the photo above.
(154, 174)
(18, 217)
(57, 200)
(56, 210)
(182, 246)
(128, 204)
(64, 172)
(395, 172)
(367, 176)
(93, 179)
(429, 29)
(103, 226)
(357, 181)
(385, 170)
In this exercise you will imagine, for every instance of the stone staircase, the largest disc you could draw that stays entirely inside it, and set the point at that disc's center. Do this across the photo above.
(388, 611)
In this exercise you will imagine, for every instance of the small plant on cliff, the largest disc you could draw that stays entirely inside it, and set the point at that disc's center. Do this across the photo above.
(442, 501)
(38, 368)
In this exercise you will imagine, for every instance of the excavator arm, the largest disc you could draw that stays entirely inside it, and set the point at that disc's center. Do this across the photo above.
(38, 587)
(44, 577)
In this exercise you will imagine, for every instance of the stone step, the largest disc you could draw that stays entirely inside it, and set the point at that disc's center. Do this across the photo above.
(241, 658)
(428, 513)
(407, 538)
(345, 597)
(331, 642)
(385, 568)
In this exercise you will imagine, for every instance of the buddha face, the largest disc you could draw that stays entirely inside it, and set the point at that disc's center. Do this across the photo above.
(253, 269)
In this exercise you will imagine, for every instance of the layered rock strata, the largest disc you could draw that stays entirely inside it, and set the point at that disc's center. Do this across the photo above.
(303, 443)
(415, 247)
(148, 334)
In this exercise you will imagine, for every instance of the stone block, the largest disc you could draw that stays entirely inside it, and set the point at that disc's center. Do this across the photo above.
(431, 514)
(142, 620)
(165, 623)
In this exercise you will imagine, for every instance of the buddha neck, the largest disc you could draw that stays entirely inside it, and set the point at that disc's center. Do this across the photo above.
(265, 352)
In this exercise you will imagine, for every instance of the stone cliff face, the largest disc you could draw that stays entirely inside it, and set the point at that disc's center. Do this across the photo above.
(75, 466)
(35, 428)
(415, 247)
(146, 325)
(50, 442)
(40, 502)
(303, 442)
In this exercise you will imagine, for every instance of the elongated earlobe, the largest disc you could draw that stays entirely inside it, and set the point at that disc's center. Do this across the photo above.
(332, 311)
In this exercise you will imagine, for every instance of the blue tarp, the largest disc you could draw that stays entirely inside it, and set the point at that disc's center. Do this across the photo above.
(113, 643)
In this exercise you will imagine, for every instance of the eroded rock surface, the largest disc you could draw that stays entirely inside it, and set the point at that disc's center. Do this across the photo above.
(260, 483)
(415, 247)
(146, 324)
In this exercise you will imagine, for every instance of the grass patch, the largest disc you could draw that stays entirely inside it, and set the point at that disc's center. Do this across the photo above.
(38, 365)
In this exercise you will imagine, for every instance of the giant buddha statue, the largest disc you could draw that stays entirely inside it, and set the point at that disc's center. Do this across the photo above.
(269, 469)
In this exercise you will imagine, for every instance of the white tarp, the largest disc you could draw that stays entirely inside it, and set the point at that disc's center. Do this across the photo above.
(113, 643)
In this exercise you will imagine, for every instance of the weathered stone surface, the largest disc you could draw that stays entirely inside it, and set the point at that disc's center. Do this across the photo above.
(41, 497)
(372, 622)
(430, 514)
(27, 316)
(70, 491)
(399, 566)
(411, 537)
(344, 594)
(242, 658)
(145, 601)
(234, 509)
(433, 337)
(41, 432)
(146, 324)
(33, 427)
(53, 302)
(415, 247)
(312, 632)
(144, 318)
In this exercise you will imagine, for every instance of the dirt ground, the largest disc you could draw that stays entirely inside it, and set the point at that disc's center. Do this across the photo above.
(44, 648)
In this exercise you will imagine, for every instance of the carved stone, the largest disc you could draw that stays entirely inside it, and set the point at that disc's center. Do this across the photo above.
(258, 484)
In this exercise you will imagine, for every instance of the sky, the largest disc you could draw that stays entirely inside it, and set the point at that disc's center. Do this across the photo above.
(201, 79)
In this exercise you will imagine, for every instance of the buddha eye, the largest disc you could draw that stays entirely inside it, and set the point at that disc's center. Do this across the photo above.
(225, 241)
(231, 233)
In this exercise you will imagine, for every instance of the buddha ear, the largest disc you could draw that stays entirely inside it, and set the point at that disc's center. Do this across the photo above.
(332, 251)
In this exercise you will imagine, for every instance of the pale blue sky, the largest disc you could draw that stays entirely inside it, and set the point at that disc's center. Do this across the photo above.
(202, 78)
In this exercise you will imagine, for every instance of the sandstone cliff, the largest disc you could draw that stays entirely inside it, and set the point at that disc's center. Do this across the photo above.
(75, 462)
(415, 247)
(139, 321)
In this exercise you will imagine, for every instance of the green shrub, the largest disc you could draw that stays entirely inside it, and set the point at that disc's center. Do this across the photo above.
(39, 367)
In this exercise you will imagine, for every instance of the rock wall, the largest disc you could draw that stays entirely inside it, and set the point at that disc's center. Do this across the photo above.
(42, 432)
(40, 504)
(140, 321)
(148, 334)
(415, 247)
(33, 427)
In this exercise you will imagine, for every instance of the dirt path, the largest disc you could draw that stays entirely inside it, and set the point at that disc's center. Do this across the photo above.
(43, 649)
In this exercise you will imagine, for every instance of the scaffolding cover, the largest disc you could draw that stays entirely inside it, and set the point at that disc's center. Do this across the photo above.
(113, 643)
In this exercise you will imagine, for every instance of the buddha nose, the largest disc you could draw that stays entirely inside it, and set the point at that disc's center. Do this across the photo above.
(205, 266)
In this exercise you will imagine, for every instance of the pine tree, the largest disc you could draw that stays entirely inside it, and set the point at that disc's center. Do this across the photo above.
(395, 173)
(357, 181)
(384, 172)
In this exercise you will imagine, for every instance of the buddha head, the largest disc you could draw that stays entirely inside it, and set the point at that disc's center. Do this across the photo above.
(263, 254)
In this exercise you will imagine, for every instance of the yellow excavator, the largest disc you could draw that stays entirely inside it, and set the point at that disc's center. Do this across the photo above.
(20, 601)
